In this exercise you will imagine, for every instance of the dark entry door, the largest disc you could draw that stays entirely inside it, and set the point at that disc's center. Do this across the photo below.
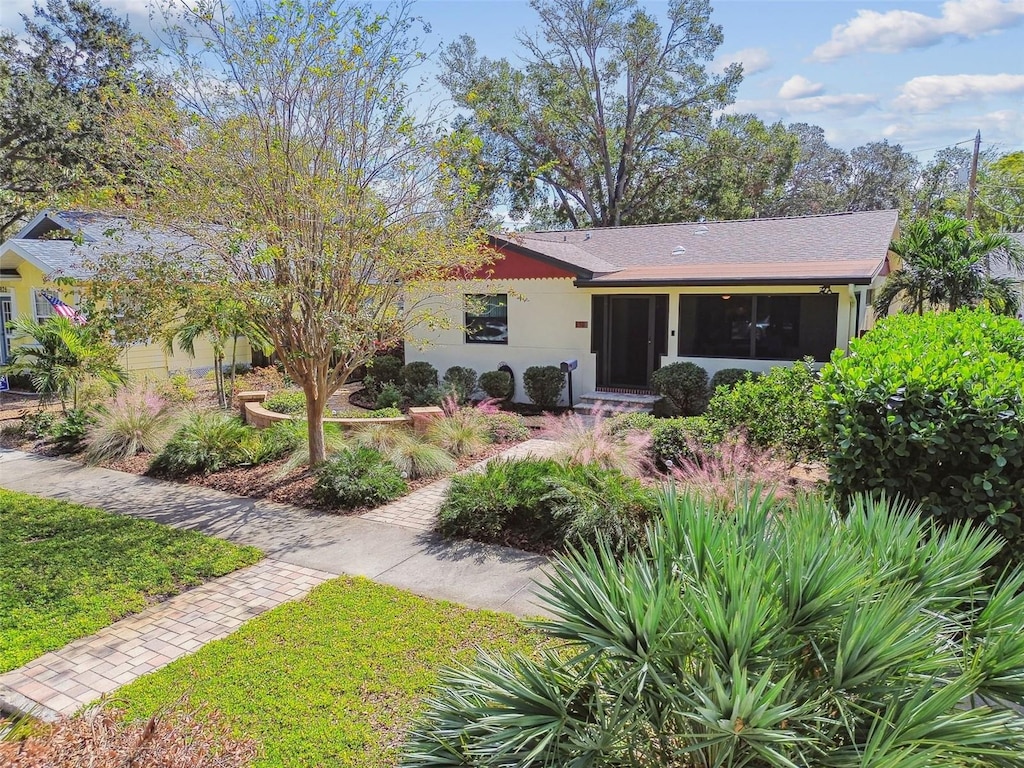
(630, 335)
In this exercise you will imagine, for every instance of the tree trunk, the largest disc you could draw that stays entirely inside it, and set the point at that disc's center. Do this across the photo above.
(315, 404)
(234, 365)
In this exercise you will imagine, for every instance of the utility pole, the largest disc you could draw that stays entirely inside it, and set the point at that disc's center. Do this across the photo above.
(972, 181)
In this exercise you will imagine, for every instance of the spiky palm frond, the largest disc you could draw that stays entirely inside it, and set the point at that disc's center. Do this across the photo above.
(760, 637)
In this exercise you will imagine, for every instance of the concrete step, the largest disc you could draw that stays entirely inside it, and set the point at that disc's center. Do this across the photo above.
(615, 402)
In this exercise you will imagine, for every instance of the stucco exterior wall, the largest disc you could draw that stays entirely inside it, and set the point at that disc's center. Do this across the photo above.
(542, 328)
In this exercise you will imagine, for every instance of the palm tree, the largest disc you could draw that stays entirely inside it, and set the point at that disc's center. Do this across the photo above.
(765, 637)
(945, 264)
(61, 355)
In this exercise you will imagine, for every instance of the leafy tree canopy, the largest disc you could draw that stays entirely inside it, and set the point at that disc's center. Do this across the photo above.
(60, 86)
(601, 112)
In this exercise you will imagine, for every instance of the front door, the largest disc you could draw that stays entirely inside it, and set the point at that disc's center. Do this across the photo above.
(629, 337)
(6, 315)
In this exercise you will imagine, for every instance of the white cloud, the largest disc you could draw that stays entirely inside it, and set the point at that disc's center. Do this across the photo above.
(1004, 126)
(896, 31)
(799, 87)
(754, 60)
(923, 94)
(846, 104)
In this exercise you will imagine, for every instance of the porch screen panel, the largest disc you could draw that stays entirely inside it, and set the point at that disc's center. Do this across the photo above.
(598, 314)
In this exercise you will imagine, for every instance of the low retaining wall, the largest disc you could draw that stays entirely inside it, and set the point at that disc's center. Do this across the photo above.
(255, 415)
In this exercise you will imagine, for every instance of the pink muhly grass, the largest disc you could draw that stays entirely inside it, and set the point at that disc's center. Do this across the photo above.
(581, 442)
(489, 406)
(732, 465)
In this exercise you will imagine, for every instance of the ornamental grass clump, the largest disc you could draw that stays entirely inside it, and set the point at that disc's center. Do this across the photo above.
(138, 421)
(758, 638)
(599, 441)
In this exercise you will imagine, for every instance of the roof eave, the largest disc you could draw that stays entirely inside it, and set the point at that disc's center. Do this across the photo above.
(708, 282)
(499, 242)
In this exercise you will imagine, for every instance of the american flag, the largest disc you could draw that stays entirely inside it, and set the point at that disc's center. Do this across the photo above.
(65, 310)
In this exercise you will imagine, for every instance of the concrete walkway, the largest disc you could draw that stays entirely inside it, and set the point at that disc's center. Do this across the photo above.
(392, 545)
(61, 682)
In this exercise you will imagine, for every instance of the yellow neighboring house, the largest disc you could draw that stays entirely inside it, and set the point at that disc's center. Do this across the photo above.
(53, 246)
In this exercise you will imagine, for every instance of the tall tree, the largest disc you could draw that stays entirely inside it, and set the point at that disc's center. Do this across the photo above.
(819, 176)
(60, 85)
(882, 176)
(310, 184)
(1000, 200)
(598, 117)
(945, 264)
(942, 185)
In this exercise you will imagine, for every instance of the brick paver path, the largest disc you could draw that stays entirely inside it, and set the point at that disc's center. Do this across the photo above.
(419, 509)
(60, 682)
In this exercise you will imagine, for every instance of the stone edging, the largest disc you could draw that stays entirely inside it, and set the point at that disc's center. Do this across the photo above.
(254, 414)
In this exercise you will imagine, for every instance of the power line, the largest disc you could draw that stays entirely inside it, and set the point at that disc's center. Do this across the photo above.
(942, 146)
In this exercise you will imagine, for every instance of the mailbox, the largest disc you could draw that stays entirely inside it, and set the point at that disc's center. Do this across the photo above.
(568, 366)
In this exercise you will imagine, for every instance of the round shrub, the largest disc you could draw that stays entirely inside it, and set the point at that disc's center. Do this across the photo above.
(779, 410)
(729, 378)
(496, 384)
(390, 397)
(543, 384)
(418, 381)
(684, 386)
(932, 407)
(626, 422)
(461, 381)
(385, 369)
(506, 427)
(673, 440)
(358, 478)
(289, 401)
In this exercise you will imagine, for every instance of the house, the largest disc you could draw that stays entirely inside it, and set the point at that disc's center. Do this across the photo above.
(624, 301)
(58, 244)
(1002, 269)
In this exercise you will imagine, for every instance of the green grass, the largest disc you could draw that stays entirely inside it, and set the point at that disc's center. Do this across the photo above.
(68, 570)
(332, 680)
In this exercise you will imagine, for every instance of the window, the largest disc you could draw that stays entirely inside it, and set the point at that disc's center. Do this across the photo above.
(761, 327)
(487, 318)
(43, 308)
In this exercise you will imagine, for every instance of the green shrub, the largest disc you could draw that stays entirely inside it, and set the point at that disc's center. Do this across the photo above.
(626, 422)
(67, 433)
(275, 442)
(506, 498)
(390, 397)
(287, 401)
(357, 478)
(729, 378)
(932, 407)
(676, 440)
(684, 387)
(206, 442)
(137, 421)
(418, 381)
(461, 382)
(38, 425)
(506, 427)
(541, 504)
(385, 369)
(178, 388)
(362, 413)
(763, 638)
(544, 384)
(496, 384)
(779, 410)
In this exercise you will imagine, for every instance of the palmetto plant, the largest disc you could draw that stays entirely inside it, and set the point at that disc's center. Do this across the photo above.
(760, 638)
(61, 355)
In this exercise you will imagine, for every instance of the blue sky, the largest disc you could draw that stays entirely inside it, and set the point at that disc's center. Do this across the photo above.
(923, 74)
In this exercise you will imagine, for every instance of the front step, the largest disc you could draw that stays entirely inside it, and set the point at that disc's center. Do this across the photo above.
(615, 402)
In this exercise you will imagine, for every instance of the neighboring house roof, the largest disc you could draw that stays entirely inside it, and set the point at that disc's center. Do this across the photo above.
(60, 243)
(836, 248)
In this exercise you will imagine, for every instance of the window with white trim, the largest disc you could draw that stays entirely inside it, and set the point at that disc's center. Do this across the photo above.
(42, 308)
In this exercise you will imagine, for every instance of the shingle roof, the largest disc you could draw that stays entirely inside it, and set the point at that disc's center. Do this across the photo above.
(99, 234)
(844, 246)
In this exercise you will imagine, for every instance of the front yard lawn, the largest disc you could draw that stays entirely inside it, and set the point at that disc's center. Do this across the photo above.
(331, 680)
(68, 570)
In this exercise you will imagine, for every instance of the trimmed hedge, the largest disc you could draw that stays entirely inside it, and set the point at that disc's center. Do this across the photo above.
(684, 438)
(287, 401)
(932, 407)
(729, 378)
(543, 384)
(684, 387)
(460, 381)
(496, 384)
